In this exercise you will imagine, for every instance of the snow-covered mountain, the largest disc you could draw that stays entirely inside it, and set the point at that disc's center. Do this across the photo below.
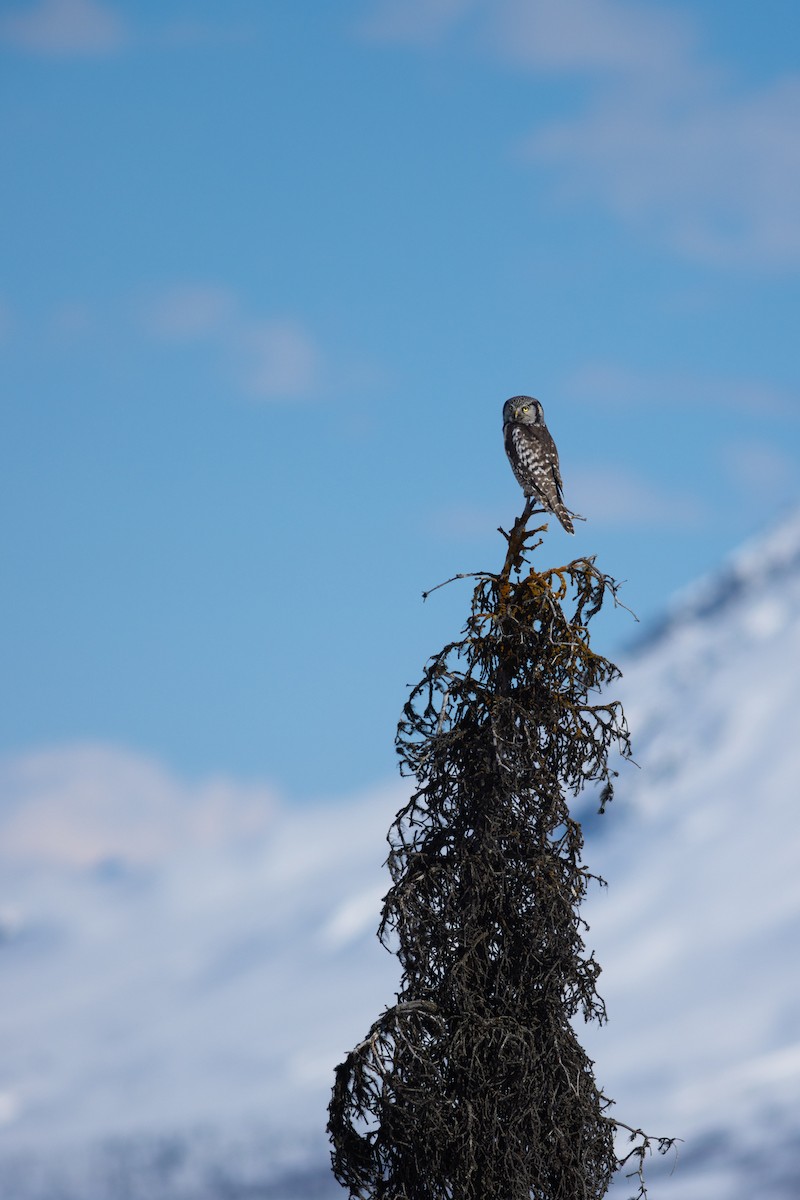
(182, 964)
(699, 931)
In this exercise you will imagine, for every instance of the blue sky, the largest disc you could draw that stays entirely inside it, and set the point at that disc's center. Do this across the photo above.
(268, 272)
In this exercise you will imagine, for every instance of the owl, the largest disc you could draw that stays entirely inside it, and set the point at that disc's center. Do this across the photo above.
(533, 455)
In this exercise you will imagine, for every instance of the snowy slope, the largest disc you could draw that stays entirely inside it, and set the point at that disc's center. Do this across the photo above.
(182, 964)
(699, 931)
(162, 977)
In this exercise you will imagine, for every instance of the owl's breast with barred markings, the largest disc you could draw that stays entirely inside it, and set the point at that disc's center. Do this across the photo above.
(534, 460)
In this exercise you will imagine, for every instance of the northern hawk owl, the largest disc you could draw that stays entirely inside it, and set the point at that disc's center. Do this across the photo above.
(533, 455)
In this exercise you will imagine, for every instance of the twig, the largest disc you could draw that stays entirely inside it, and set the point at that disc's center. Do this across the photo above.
(453, 578)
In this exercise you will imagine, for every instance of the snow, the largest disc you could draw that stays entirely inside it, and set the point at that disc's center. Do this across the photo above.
(183, 963)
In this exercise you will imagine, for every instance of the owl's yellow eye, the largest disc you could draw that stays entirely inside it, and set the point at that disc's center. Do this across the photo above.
(526, 408)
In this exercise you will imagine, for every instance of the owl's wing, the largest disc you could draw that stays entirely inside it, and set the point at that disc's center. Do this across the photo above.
(551, 455)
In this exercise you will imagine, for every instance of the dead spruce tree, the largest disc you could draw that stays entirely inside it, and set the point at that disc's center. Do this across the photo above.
(474, 1086)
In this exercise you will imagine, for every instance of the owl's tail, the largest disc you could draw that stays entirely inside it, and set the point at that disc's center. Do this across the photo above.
(557, 507)
(564, 517)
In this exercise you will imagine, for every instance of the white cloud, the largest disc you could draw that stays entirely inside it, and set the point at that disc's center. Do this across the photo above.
(613, 385)
(65, 27)
(271, 357)
(67, 324)
(718, 178)
(281, 359)
(596, 35)
(191, 311)
(85, 804)
(666, 139)
(414, 22)
(612, 496)
(615, 496)
(550, 34)
(760, 468)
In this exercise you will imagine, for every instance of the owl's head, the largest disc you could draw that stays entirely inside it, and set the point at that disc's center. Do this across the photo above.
(527, 410)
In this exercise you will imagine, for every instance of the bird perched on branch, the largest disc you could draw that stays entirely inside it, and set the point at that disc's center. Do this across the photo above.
(533, 455)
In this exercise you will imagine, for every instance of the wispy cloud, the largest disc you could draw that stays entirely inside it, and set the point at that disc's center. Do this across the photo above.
(66, 324)
(666, 140)
(719, 180)
(612, 496)
(616, 496)
(554, 35)
(616, 386)
(760, 468)
(271, 357)
(605, 36)
(281, 359)
(65, 27)
(414, 22)
(190, 311)
(81, 28)
(83, 804)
